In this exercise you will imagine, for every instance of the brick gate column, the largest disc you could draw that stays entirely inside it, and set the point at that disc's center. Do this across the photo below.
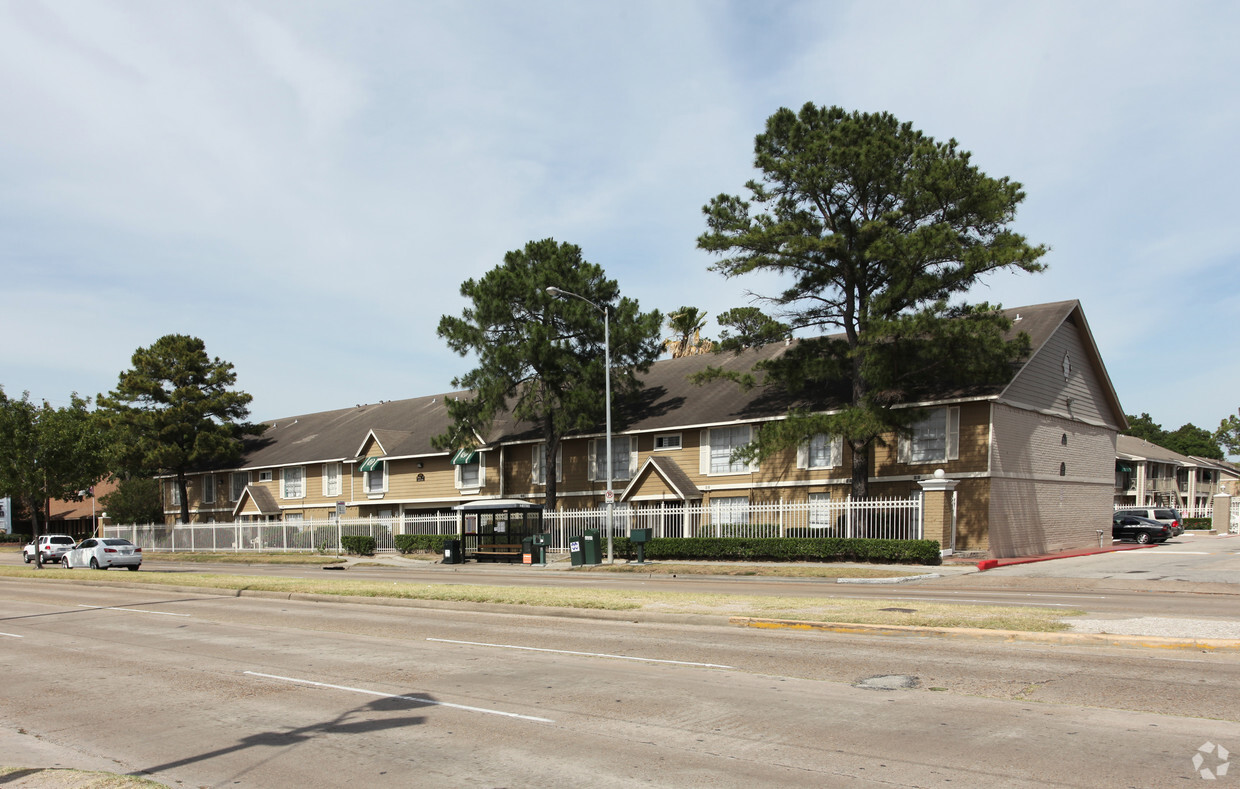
(937, 509)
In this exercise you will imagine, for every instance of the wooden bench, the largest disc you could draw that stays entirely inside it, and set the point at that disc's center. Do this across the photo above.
(498, 553)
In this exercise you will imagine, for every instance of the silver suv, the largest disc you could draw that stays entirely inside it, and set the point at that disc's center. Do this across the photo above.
(53, 547)
(1165, 515)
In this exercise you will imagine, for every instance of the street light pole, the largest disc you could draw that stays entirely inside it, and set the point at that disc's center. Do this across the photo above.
(611, 496)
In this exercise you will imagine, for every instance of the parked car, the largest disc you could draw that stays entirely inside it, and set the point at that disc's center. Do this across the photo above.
(51, 546)
(1134, 527)
(100, 553)
(1167, 516)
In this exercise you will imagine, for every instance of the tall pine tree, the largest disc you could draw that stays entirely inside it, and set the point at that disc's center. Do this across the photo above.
(541, 357)
(879, 231)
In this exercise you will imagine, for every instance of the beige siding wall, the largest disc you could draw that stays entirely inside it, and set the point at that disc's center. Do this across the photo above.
(1033, 509)
(1042, 385)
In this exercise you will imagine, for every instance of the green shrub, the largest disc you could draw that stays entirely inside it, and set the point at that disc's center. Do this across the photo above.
(1198, 523)
(413, 543)
(21, 538)
(360, 545)
(788, 549)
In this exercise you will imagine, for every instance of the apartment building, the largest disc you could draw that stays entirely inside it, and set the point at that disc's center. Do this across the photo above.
(1032, 459)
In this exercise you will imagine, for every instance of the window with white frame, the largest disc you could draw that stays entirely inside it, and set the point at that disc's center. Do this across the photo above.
(176, 494)
(539, 461)
(375, 480)
(471, 474)
(239, 480)
(722, 442)
(295, 517)
(820, 510)
(667, 441)
(821, 451)
(265, 476)
(729, 510)
(623, 458)
(331, 479)
(934, 439)
(208, 489)
(292, 484)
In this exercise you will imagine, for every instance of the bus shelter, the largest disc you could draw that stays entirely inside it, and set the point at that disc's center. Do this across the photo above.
(493, 529)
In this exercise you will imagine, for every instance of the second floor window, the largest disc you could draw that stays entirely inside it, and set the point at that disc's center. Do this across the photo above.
(293, 483)
(331, 479)
(934, 439)
(622, 458)
(822, 451)
(375, 480)
(239, 480)
(208, 489)
(723, 442)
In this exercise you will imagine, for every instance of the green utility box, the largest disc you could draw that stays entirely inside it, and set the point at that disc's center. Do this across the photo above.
(639, 538)
(591, 547)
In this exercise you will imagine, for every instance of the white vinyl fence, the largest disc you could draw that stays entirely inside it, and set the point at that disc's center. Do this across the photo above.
(893, 519)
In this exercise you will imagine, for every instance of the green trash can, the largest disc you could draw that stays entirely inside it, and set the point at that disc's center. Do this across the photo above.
(574, 551)
(541, 543)
(591, 547)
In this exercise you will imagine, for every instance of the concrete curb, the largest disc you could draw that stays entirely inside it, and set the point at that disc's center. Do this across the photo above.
(902, 580)
(1090, 639)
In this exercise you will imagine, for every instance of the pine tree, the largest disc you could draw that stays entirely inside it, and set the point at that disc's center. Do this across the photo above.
(540, 357)
(175, 412)
(879, 230)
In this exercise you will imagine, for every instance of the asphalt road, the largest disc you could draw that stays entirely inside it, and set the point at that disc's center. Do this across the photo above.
(1189, 577)
(211, 691)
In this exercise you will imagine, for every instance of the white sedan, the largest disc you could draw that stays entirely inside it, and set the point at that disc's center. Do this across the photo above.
(100, 553)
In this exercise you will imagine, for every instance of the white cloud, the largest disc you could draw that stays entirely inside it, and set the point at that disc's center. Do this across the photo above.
(305, 185)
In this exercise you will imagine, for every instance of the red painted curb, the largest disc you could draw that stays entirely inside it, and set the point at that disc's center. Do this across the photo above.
(990, 564)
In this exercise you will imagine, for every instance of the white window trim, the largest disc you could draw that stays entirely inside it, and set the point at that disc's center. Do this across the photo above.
(176, 494)
(233, 493)
(482, 474)
(538, 456)
(677, 436)
(804, 457)
(732, 506)
(284, 481)
(208, 486)
(951, 442)
(266, 476)
(327, 489)
(382, 468)
(704, 460)
(598, 473)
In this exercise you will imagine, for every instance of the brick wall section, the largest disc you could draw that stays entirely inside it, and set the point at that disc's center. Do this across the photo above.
(1033, 507)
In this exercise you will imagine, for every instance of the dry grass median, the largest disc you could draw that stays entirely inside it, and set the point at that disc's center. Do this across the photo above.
(818, 609)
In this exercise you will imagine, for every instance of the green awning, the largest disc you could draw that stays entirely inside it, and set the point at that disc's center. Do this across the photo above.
(370, 464)
(1123, 467)
(464, 457)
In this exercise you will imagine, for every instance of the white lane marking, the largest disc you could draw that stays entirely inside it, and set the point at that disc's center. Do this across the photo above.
(585, 654)
(992, 601)
(11, 635)
(134, 610)
(381, 694)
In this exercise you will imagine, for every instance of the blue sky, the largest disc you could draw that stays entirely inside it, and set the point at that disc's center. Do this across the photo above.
(304, 185)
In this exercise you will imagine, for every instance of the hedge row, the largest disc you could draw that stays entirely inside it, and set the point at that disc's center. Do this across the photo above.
(414, 543)
(788, 549)
(1198, 523)
(358, 544)
(22, 538)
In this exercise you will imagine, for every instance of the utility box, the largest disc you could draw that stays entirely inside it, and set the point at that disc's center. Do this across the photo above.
(639, 538)
(591, 547)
